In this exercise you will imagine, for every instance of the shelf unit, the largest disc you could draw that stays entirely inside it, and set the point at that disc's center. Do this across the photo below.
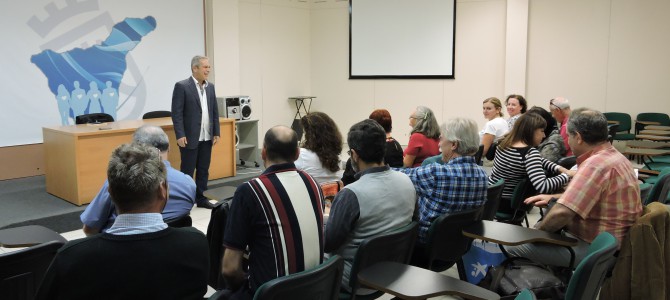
(246, 138)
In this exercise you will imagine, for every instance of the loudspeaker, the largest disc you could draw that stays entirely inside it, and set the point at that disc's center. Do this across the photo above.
(245, 107)
(237, 107)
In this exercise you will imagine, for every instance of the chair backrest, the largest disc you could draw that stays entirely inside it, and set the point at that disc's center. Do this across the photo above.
(395, 246)
(522, 191)
(93, 118)
(567, 162)
(330, 189)
(445, 240)
(645, 189)
(590, 273)
(493, 195)
(525, 294)
(623, 119)
(157, 114)
(478, 155)
(322, 282)
(661, 189)
(183, 221)
(661, 118)
(612, 129)
(22, 271)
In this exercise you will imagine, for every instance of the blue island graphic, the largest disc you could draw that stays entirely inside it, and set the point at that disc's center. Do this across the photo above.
(87, 80)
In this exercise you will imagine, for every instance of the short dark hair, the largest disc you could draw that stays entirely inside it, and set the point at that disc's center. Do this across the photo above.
(551, 122)
(281, 144)
(135, 172)
(383, 117)
(521, 99)
(368, 139)
(591, 125)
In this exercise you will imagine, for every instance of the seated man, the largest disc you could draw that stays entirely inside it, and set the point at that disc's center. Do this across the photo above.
(602, 196)
(100, 214)
(380, 201)
(278, 216)
(139, 257)
(459, 184)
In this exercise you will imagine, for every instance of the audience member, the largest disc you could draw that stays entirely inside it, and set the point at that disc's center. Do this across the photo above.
(101, 213)
(320, 152)
(560, 109)
(551, 147)
(424, 139)
(603, 196)
(496, 127)
(380, 201)
(139, 257)
(393, 156)
(458, 185)
(517, 158)
(277, 216)
(516, 105)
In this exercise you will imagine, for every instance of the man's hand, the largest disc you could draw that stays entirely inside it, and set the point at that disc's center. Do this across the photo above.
(215, 139)
(182, 142)
(539, 200)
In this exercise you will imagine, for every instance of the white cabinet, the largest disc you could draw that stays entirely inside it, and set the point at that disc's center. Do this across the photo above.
(246, 140)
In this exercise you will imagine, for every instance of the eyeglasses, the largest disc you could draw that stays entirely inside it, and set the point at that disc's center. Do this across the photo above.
(551, 103)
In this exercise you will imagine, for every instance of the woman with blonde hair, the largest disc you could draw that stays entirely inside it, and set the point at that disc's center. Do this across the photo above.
(320, 152)
(424, 140)
(496, 127)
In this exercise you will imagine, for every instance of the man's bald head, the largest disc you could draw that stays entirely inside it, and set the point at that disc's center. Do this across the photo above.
(280, 144)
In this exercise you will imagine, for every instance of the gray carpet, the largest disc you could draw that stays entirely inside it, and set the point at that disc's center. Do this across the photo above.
(24, 201)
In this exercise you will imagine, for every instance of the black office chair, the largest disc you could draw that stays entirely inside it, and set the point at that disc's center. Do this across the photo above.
(322, 282)
(493, 195)
(22, 271)
(567, 162)
(446, 243)
(478, 155)
(183, 221)
(157, 114)
(520, 210)
(395, 246)
(94, 118)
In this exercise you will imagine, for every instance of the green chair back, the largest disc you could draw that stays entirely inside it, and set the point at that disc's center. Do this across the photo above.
(590, 273)
(493, 195)
(525, 295)
(623, 119)
(661, 189)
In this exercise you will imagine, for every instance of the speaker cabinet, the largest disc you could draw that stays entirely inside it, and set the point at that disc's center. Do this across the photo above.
(236, 107)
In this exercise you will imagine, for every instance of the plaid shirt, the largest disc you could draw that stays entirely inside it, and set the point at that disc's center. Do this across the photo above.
(604, 193)
(457, 185)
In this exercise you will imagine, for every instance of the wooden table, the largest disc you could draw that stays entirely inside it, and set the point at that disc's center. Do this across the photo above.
(410, 282)
(653, 137)
(220, 193)
(656, 127)
(26, 236)
(513, 235)
(655, 132)
(77, 155)
(647, 144)
(646, 154)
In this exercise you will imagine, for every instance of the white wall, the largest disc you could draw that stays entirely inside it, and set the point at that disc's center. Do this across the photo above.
(605, 54)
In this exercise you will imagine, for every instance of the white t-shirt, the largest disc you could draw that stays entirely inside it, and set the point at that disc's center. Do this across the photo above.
(309, 162)
(497, 127)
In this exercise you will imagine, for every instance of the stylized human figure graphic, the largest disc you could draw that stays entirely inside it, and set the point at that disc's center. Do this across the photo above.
(109, 100)
(94, 95)
(63, 100)
(78, 101)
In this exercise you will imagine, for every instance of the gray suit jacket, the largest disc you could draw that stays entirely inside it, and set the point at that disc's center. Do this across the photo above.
(187, 111)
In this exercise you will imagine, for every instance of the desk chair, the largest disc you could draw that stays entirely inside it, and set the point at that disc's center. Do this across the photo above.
(660, 190)
(525, 295)
(567, 162)
(660, 118)
(395, 246)
(94, 118)
(493, 195)
(22, 271)
(624, 121)
(522, 191)
(157, 114)
(322, 282)
(183, 221)
(479, 154)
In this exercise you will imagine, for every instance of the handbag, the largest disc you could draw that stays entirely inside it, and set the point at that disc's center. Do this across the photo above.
(518, 273)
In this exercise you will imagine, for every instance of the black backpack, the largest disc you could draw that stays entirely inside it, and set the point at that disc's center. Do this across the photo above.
(215, 231)
(518, 273)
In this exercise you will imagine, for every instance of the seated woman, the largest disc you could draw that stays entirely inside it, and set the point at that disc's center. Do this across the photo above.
(552, 147)
(393, 156)
(424, 140)
(516, 158)
(320, 152)
(496, 127)
(516, 105)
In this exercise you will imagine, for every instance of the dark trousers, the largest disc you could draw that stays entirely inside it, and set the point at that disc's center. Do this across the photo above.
(197, 160)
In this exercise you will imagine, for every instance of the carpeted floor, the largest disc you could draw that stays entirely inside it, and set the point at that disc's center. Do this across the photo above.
(25, 201)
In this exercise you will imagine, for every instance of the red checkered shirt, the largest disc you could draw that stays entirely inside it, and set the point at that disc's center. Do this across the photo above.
(604, 193)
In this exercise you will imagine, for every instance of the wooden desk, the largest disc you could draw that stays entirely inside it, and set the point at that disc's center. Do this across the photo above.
(26, 236)
(656, 127)
(647, 122)
(77, 155)
(647, 144)
(653, 137)
(646, 154)
(410, 282)
(655, 132)
(513, 235)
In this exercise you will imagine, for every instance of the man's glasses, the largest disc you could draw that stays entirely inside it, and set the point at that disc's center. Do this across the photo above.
(551, 103)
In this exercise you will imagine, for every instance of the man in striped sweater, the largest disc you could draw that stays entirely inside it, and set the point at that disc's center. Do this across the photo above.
(277, 216)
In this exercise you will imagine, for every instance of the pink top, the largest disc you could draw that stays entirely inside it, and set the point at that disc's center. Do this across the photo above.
(564, 135)
(604, 194)
(421, 147)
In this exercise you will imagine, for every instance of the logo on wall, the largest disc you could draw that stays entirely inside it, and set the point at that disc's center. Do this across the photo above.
(88, 79)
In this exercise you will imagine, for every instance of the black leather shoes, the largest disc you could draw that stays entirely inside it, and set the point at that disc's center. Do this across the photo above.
(205, 204)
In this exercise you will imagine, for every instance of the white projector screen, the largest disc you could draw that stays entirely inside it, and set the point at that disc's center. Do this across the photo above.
(401, 39)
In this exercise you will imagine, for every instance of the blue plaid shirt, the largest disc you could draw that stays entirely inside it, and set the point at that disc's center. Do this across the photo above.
(457, 185)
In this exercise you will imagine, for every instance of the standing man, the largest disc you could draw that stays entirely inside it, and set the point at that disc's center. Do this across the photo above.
(196, 124)
(560, 110)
